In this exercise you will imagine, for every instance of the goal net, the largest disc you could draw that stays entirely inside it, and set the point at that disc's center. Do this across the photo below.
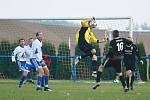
(59, 43)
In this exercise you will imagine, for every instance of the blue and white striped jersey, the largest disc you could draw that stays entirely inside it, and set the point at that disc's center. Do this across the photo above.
(36, 51)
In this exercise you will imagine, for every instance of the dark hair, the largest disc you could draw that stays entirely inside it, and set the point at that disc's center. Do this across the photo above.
(128, 42)
(115, 33)
(21, 39)
(37, 33)
(30, 38)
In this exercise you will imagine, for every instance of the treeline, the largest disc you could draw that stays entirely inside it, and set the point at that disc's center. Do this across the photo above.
(61, 68)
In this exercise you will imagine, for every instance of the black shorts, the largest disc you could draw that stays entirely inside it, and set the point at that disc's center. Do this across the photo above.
(86, 48)
(107, 62)
(129, 64)
(115, 63)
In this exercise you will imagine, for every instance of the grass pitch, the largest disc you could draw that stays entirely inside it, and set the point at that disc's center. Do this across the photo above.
(69, 90)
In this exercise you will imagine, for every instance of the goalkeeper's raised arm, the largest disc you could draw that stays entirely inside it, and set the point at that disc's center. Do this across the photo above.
(87, 35)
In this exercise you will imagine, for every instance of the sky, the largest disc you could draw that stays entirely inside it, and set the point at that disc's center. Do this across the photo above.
(138, 9)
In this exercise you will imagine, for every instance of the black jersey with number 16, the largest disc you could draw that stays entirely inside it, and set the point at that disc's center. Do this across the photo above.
(117, 46)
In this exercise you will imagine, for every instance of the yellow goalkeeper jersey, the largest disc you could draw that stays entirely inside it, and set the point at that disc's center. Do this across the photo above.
(85, 34)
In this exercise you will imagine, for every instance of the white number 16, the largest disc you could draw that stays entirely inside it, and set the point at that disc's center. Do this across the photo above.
(120, 46)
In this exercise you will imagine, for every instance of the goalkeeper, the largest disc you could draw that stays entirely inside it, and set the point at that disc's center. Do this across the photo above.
(84, 38)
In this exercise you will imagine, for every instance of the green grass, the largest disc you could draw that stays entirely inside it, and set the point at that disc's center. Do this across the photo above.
(69, 90)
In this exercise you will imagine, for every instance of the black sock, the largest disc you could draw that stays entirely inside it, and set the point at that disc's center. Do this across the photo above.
(122, 81)
(98, 76)
(132, 80)
(127, 82)
(94, 65)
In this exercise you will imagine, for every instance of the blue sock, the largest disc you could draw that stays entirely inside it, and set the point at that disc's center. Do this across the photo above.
(43, 80)
(22, 78)
(39, 81)
(46, 81)
(29, 76)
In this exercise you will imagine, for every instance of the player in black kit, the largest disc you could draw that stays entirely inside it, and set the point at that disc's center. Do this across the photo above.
(130, 54)
(115, 53)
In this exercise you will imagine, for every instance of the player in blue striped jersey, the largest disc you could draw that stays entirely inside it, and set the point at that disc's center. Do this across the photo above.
(28, 64)
(19, 57)
(37, 60)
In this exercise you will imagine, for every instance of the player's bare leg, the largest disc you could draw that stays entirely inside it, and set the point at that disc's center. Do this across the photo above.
(94, 62)
(132, 80)
(128, 77)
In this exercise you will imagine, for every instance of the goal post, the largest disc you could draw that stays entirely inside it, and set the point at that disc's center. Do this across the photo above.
(107, 23)
(59, 41)
(123, 24)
